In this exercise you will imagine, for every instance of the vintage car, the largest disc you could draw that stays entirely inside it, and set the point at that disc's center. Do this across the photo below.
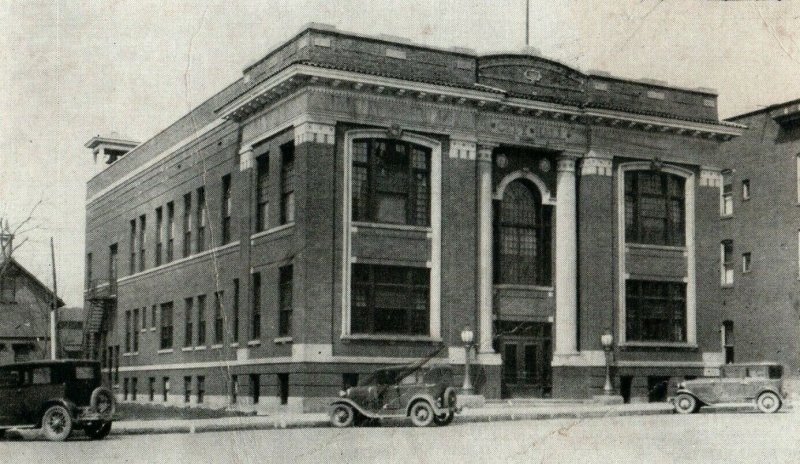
(425, 394)
(56, 396)
(754, 383)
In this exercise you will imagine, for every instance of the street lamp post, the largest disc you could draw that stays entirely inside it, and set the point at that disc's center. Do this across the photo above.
(607, 339)
(467, 336)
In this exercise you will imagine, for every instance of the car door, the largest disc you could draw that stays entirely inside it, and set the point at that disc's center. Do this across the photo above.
(11, 405)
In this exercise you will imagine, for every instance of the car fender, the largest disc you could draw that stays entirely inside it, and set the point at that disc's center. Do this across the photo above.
(355, 406)
(428, 399)
(699, 398)
(446, 397)
(771, 390)
(69, 405)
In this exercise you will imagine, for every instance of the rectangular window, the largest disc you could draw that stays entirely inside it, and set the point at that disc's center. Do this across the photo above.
(170, 232)
(283, 388)
(127, 331)
(201, 219)
(166, 325)
(391, 182)
(726, 258)
(125, 389)
(151, 389)
(187, 224)
(112, 263)
(134, 387)
(236, 310)
(135, 329)
(390, 299)
(89, 276)
(655, 311)
(234, 389)
(153, 317)
(746, 189)
(159, 244)
(285, 301)
(726, 209)
(187, 389)
(132, 248)
(201, 320)
(116, 364)
(287, 183)
(727, 341)
(255, 320)
(746, 262)
(201, 388)
(262, 192)
(144, 318)
(798, 177)
(142, 244)
(218, 322)
(188, 315)
(654, 208)
(255, 387)
(165, 388)
(226, 209)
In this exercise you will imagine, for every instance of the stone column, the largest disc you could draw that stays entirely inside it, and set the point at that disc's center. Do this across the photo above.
(566, 342)
(485, 284)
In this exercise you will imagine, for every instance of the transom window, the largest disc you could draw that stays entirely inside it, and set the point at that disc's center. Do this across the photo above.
(523, 241)
(390, 300)
(655, 311)
(391, 182)
(655, 208)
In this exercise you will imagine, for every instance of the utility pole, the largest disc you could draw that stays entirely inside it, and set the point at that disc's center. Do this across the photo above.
(527, 22)
(54, 309)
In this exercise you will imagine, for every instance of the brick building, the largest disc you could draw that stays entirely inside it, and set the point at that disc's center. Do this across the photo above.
(355, 201)
(760, 237)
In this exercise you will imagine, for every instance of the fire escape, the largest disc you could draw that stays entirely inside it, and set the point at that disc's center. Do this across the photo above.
(101, 300)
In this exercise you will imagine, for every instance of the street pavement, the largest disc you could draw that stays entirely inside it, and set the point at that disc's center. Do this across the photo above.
(712, 436)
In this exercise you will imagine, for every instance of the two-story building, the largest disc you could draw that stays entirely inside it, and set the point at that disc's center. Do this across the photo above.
(354, 201)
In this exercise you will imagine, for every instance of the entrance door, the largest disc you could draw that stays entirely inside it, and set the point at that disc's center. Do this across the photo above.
(527, 356)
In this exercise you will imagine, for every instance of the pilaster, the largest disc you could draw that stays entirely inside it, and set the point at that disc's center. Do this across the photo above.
(485, 284)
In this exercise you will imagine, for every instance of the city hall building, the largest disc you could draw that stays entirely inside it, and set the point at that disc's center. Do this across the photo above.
(353, 201)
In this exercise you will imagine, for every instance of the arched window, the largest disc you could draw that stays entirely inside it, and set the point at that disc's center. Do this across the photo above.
(523, 237)
(391, 182)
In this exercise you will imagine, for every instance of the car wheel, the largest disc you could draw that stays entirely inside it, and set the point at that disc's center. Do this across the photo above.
(56, 423)
(444, 419)
(685, 404)
(342, 415)
(422, 414)
(98, 432)
(768, 402)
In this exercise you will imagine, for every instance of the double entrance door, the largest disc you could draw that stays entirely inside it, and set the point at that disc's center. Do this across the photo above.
(526, 349)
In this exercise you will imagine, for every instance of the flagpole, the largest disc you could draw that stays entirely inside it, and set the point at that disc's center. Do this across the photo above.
(54, 309)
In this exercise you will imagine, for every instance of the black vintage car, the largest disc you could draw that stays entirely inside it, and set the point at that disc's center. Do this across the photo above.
(56, 396)
(425, 394)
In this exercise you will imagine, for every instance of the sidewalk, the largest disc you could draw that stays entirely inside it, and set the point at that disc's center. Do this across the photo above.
(490, 412)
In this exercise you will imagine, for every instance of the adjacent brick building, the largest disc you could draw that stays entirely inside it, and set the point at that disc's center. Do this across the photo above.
(760, 237)
(355, 201)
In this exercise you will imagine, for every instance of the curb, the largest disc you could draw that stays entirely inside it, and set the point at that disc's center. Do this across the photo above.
(317, 423)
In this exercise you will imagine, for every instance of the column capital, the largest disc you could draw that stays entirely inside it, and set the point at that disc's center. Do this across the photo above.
(316, 132)
(596, 164)
(485, 151)
(710, 176)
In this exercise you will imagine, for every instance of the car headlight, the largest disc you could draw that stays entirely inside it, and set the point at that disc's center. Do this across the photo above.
(342, 392)
(681, 385)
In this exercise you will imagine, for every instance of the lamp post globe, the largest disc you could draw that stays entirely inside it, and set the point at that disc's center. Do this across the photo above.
(607, 340)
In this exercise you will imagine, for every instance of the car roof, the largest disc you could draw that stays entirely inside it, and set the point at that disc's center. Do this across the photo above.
(756, 363)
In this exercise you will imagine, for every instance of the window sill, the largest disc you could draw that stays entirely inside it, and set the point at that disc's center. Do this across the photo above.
(187, 348)
(271, 231)
(727, 216)
(538, 288)
(152, 329)
(396, 338)
(200, 348)
(217, 346)
(130, 353)
(647, 246)
(724, 286)
(657, 346)
(283, 340)
(384, 225)
(234, 345)
(254, 343)
(165, 351)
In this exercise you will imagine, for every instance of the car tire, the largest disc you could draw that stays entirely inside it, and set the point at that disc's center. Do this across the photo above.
(342, 415)
(56, 423)
(444, 419)
(98, 432)
(422, 414)
(768, 402)
(685, 404)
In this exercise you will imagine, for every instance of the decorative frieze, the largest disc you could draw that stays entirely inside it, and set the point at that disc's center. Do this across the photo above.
(710, 177)
(461, 149)
(314, 132)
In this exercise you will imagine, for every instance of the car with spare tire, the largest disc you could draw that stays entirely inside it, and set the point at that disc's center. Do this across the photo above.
(757, 384)
(57, 397)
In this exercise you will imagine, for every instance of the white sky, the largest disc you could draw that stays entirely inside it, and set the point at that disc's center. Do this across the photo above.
(71, 69)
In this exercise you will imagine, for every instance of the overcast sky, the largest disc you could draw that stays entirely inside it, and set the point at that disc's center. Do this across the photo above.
(72, 69)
